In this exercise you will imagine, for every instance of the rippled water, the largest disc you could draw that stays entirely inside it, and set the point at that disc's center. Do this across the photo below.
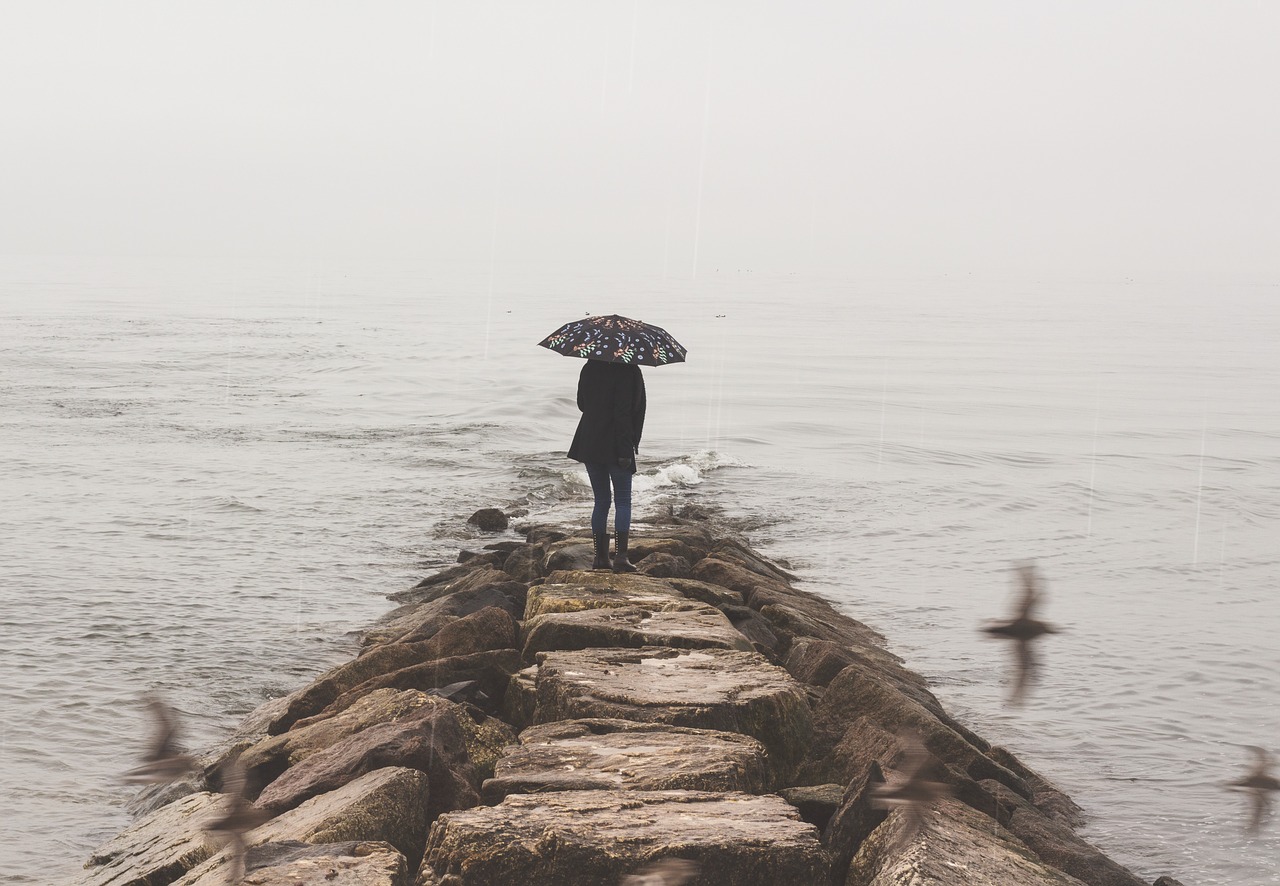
(212, 476)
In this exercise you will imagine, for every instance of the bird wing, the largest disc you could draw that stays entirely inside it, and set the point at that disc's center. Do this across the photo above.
(164, 733)
(1030, 590)
(1026, 666)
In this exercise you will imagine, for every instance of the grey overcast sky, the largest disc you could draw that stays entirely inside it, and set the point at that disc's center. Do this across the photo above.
(1108, 138)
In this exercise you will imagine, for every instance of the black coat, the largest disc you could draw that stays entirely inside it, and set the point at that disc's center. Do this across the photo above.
(611, 397)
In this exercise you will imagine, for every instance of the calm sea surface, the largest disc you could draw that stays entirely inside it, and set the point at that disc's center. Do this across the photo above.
(212, 476)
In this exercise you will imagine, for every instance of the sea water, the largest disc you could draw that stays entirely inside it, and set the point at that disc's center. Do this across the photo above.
(214, 473)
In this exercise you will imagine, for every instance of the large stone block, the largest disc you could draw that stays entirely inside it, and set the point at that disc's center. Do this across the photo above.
(589, 838)
(581, 755)
(157, 849)
(490, 670)
(717, 689)
(567, 591)
(683, 624)
(955, 845)
(331, 864)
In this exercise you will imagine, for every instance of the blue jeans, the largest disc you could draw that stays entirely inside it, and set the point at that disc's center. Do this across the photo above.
(602, 476)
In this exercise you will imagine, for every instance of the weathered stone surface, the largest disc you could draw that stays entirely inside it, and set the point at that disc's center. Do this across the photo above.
(584, 755)
(487, 737)
(439, 582)
(570, 554)
(853, 820)
(1056, 843)
(717, 689)
(956, 845)
(683, 624)
(715, 595)
(641, 547)
(661, 565)
(491, 670)
(566, 591)
(321, 692)
(264, 761)
(430, 740)
(730, 575)
(698, 539)
(334, 864)
(815, 803)
(734, 551)
(387, 804)
(417, 621)
(1044, 795)
(526, 563)
(491, 627)
(860, 720)
(754, 627)
(157, 849)
(489, 520)
(543, 534)
(521, 702)
(801, 617)
(588, 838)
(1167, 881)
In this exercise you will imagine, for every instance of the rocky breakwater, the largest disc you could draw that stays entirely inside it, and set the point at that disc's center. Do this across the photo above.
(519, 719)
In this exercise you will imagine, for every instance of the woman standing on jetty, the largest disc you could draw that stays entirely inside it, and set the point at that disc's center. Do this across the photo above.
(611, 398)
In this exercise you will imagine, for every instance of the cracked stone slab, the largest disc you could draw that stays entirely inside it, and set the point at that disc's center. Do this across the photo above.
(720, 689)
(683, 624)
(581, 755)
(576, 590)
(587, 838)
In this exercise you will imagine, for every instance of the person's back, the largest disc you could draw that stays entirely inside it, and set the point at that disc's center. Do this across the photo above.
(611, 398)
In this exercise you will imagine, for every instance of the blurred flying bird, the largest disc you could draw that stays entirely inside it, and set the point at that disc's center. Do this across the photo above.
(163, 761)
(663, 872)
(909, 788)
(1258, 783)
(239, 816)
(1023, 630)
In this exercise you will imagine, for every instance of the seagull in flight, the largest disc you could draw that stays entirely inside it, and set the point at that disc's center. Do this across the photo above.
(1259, 783)
(910, 789)
(163, 761)
(1024, 630)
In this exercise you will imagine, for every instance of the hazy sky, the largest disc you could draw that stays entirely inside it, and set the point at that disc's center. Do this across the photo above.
(1106, 138)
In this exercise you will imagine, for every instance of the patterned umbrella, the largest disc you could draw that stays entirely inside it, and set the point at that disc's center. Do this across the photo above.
(615, 339)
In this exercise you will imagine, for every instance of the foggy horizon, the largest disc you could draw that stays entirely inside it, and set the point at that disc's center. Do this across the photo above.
(998, 138)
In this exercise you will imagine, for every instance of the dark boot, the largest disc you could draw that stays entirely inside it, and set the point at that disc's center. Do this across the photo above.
(620, 561)
(601, 563)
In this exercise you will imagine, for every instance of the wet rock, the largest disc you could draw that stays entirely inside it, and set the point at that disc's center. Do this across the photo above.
(320, 694)
(521, 701)
(438, 579)
(490, 670)
(566, 591)
(336, 864)
(1056, 843)
(487, 737)
(683, 624)
(815, 803)
(719, 689)
(817, 662)
(713, 595)
(1044, 795)
(860, 720)
(640, 547)
(543, 534)
(716, 571)
(588, 838)
(420, 621)
(264, 761)
(489, 628)
(698, 539)
(1167, 881)
(570, 554)
(956, 845)
(526, 563)
(488, 520)
(801, 617)
(430, 740)
(583, 755)
(474, 578)
(661, 565)
(853, 821)
(388, 805)
(755, 628)
(476, 558)
(157, 849)
(734, 551)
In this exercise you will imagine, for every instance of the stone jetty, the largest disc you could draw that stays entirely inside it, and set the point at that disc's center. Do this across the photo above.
(520, 719)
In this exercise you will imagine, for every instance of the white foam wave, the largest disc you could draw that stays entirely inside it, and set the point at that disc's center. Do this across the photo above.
(679, 473)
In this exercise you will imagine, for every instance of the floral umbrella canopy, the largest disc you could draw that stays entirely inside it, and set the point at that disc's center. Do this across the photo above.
(615, 339)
